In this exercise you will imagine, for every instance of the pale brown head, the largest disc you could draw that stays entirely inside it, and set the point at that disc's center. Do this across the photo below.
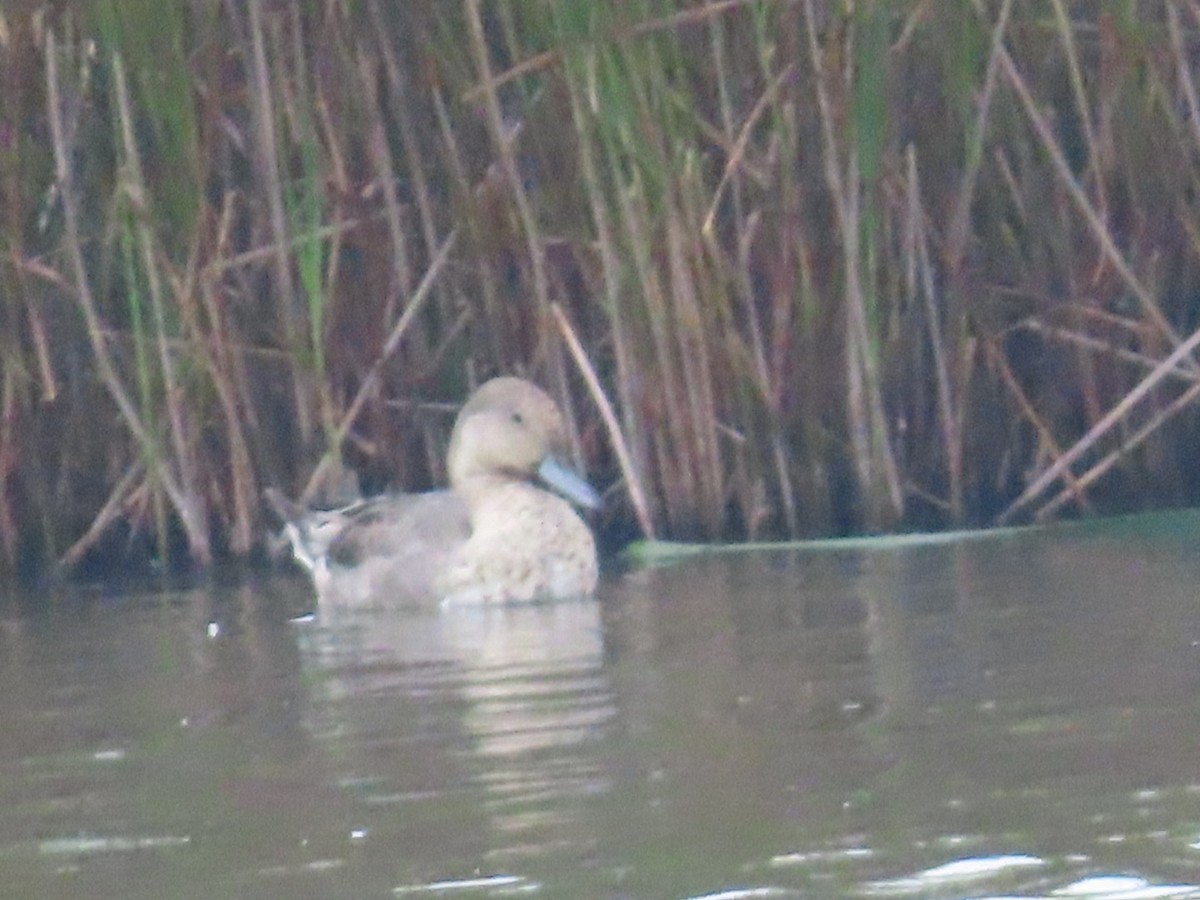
(512, 429)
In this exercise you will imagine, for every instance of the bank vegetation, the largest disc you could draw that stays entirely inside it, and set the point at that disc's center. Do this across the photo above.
(793, 267)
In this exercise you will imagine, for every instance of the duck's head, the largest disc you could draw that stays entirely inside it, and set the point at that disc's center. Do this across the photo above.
(511, 429)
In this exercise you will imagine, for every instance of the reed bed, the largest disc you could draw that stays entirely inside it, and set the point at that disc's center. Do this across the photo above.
(793, 267)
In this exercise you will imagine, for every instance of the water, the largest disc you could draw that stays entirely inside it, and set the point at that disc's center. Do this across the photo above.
(1018, 716)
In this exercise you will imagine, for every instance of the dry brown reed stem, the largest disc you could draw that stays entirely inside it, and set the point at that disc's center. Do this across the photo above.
(1110, 460)
(1095, 345)
(633, 482)
(1097, 153)
(267, 158)
(503, 141)
(226, 373)
(551, 57)
(401, 108)
(210, 345)
(222, 265)
(223, 369)
(959, 233)
(671, 358)
(134, 185)
(492, 305)
(738, 151)
(373, 378)
(946, 401)
(678, 481)
(611, 272)
(1114, 416)
(8, 462)
(874, 461)
(784, 307)
(1183, 69)
(698, 367)
(387, 178)
(109, 514)
(39, 338)
(769, 390)
(190, 516)
(1030, 414)
(1079, 197)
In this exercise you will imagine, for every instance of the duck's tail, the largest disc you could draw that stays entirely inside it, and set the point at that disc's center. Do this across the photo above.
(310, 531)
(297, 528)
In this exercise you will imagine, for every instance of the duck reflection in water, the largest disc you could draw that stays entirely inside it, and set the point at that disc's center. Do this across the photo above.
(496, 536)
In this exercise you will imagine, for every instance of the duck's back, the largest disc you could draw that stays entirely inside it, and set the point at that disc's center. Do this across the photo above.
(391, 550)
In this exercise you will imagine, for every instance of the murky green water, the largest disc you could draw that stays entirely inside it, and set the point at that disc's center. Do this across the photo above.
(1017, 716)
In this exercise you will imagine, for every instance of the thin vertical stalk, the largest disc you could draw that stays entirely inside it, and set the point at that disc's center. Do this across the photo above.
(1073, 491)
(698, 369)
(303, 203)
(388, 178)
(679, 481)
(1101, 234)
(492, 307)
(637, 495)
(951, 439)
(959, 231)
(873, 459)
(225, 374)
(529, 222)
(189, 513)
(607, 246)
(401, 107)
(267, 159)
(8, 455)
(1111, 419)
(135, 187)
(1062, 22)
(503, 144)
(373, 378)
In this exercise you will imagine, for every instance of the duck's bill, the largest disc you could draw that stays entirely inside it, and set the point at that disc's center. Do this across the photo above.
(568, 483)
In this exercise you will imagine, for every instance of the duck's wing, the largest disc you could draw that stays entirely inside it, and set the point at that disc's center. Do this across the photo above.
(400, 526)
(393, 550)
(382, 551)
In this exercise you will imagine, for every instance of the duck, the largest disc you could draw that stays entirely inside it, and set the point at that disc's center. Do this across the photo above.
(505, 530)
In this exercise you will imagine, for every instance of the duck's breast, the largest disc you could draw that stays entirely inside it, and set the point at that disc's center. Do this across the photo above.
(526, 544)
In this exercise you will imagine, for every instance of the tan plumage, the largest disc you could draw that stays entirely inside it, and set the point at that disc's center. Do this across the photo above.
(495, 536)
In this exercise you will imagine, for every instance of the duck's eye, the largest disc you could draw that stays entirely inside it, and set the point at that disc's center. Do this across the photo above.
(517, 418)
